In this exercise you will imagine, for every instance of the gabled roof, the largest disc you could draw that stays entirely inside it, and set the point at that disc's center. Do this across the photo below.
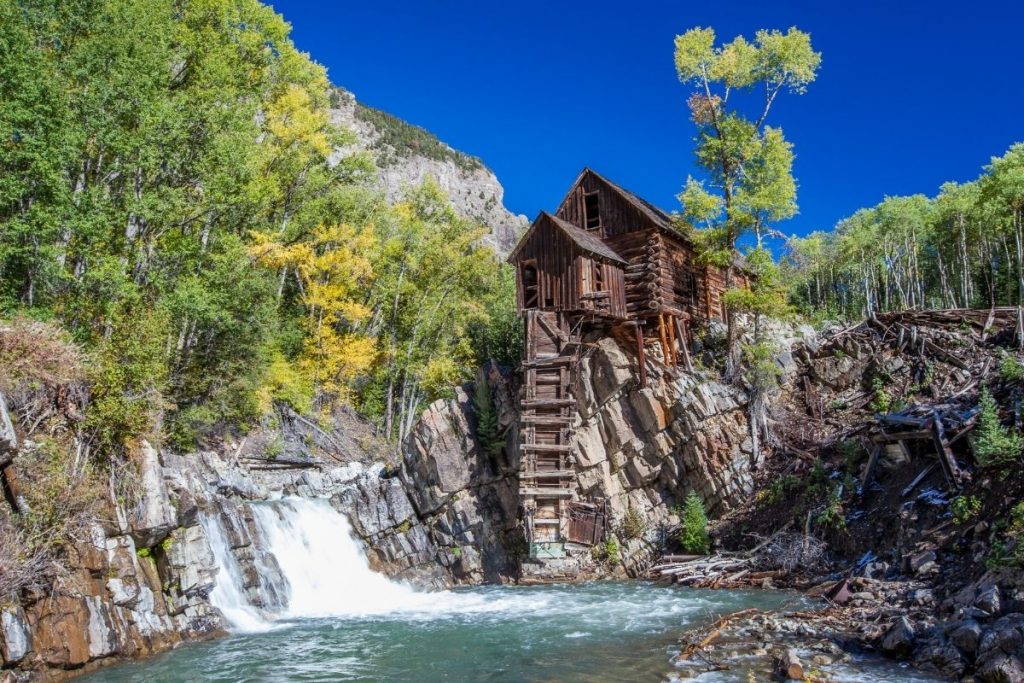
(662, 219)
(586, 241)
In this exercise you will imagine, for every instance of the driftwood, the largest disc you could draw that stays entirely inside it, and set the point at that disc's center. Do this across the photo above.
(714, 631)
(789, 666)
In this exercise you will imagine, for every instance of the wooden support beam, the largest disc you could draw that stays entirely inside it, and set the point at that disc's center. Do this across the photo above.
(949, 465)
(683, 344)
(641, 355)
(664, 339)
(870, 471)
(671, 323)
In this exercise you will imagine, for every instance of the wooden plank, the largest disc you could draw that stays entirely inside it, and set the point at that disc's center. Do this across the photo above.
(544, 447)
(546, 493)
(947, 459)
(642, 358)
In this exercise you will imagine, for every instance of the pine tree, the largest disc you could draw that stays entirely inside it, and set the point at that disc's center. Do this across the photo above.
(693, 535)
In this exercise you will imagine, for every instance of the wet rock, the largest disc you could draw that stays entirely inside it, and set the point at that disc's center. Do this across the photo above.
(941, 658)
(1001, 638)
(899, 638)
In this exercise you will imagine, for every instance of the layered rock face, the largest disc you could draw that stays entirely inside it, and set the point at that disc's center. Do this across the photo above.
(446, 513)
(472, 188)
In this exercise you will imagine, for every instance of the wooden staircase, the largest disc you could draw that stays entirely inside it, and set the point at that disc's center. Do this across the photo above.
(546, 475)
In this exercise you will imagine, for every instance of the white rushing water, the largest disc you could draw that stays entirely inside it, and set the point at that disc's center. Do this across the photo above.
(326, 570)
(228, 595)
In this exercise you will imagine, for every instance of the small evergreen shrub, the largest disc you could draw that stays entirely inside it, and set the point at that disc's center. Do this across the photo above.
(1010, 368)
(994, 445)
(965, 509)
(634, 525)
(693, 536)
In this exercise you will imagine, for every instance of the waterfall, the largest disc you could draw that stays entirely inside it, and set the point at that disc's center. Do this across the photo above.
(228, 594)
(325, 568)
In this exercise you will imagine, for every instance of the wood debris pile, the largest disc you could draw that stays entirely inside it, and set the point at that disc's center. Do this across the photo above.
(906, 380)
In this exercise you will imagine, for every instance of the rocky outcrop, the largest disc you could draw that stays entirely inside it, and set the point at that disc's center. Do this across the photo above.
(403, 161)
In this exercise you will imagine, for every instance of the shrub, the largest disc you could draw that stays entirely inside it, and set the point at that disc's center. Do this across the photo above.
(693, 536)
(487, 428)
(778, 489)
(883, 401)
(1010, 368)
(965, 509)
(607, 552)
(994, 444)
(832, 516)
(634, 525)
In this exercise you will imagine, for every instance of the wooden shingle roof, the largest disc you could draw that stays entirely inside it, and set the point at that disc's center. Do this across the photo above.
(586, 241)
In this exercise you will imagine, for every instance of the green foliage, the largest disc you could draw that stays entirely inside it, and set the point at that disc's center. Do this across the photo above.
(487, 432)
(497, 334)
(1010, 368)
(168, 194)
(1009, 552)
(965, 509)
(995, 446)
(750, 163)
(882, 400)
(634, 525)
(760, 369)
(957, 249)
(778, 489)
(817, 478)
(832, 515)
(693, 534)
(399, 139)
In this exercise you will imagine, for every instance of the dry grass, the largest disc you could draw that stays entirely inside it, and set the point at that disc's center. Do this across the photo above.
(41, 373)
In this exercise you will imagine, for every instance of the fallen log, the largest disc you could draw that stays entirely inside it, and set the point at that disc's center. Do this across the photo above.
(789, 666)
(715, 631)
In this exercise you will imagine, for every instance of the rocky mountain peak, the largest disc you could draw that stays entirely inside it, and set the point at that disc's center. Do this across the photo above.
(406, 155)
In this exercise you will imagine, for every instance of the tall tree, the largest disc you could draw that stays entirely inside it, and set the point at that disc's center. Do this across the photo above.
(749, 183)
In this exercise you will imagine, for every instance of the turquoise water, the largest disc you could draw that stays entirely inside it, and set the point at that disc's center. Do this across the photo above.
(589, 633)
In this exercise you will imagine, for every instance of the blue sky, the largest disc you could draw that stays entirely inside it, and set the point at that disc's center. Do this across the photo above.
(909, 94)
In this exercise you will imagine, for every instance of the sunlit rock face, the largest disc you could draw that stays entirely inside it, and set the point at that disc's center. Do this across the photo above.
(406, 156)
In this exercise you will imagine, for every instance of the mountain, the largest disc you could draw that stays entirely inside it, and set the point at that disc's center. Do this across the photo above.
(406, 155)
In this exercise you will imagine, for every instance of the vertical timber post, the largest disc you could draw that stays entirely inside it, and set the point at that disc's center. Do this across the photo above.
(640, 354)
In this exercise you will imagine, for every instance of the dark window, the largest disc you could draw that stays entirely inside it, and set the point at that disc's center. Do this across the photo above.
(685, 286)
(530, 298)
(592, 211)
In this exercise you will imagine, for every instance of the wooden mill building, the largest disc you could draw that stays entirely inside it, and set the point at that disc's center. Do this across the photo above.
(606, 259)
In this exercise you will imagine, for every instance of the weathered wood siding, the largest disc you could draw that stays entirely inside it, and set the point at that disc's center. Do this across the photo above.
(618, 216)
(563, 270)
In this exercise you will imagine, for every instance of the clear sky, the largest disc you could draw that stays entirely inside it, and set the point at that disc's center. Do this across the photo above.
(909, 94)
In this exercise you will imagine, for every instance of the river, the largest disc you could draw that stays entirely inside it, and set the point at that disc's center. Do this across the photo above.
(347, 623)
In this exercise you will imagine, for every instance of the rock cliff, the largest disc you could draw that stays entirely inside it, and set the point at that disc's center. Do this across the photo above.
(443, 513)
(406, 155)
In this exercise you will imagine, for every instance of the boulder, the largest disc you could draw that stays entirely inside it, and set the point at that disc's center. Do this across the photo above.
(999, 667)
(8, 439)
(989, 601)
(15, 635)
(899, 639)
(966, 636)
(154, 517)
(922, 562)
